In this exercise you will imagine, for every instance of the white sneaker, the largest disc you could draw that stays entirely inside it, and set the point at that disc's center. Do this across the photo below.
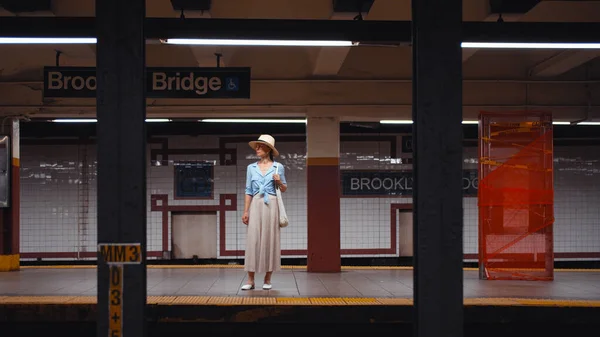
(267, 286)
(248, 286)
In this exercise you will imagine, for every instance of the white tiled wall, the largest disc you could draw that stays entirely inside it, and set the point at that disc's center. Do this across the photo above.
(577, 196)
(365, 222)
(54, 217)
(470, 211)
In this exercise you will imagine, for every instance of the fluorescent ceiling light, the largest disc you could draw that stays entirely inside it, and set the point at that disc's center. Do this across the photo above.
(241, 42)
(80, 120)
(523, 45)
(477, 122)
(299, 43)
(232, 120)
(406, 121)
(93, 120)
(399, 121)
(47, 40)
(205, 42)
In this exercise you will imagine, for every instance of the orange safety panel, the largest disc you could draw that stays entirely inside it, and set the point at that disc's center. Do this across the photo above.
(516, 196)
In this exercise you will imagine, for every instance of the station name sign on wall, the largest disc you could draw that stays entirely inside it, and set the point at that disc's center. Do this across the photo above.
(161, 82)
(367, 183)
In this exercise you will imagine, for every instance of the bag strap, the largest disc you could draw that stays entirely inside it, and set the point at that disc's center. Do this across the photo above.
(276, 170)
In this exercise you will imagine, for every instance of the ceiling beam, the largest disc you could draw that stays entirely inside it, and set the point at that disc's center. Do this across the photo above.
(330, 60)
(531, 32)
(467, 53)
(563, 62)
(379, 32)
(206, 56)
(67, 54)
(71, 55)
(501, 11)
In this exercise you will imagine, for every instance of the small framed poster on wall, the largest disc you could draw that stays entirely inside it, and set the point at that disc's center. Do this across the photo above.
(193, 180)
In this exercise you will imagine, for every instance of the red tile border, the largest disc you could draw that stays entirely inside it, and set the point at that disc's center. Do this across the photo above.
(222, 207)
(71, 255)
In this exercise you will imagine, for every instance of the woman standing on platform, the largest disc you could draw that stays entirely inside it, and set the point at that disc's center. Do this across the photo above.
(261, 212)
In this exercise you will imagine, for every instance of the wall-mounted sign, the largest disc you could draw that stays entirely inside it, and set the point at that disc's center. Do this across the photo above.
(161, 82)
(367, 183)
(193, 180)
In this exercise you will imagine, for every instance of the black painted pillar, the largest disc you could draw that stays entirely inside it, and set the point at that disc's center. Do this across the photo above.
(121, 112)
(437, 151)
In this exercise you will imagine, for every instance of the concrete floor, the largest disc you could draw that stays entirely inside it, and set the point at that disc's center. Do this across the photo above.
(165, 281)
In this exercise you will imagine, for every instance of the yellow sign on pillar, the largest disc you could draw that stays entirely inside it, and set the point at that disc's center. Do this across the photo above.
(115, 301)
(116, 255)
(121, 253)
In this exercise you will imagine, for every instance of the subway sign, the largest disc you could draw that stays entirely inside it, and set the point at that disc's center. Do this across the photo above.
(161, 82)
(367, 183)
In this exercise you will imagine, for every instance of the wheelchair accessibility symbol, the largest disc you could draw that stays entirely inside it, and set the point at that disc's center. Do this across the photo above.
(232, 84)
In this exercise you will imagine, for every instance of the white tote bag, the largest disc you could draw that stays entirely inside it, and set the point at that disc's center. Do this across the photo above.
(283, 219)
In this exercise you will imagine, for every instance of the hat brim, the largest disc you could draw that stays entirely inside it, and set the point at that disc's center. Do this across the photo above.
(273, 149)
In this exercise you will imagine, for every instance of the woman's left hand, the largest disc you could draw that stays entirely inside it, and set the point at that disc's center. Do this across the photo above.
(278, 183)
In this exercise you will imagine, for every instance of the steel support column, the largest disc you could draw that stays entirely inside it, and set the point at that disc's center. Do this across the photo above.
(437, 146)
(121, 111)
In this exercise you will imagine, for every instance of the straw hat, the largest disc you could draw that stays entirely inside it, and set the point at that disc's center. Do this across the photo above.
(267, 140)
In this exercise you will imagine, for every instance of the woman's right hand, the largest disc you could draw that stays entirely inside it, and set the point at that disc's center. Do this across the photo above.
(245, 218)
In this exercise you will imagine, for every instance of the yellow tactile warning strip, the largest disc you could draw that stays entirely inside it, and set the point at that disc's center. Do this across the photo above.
(531, 302)
(321, 301)
(236, 266)
(82, 300)
(36, 299)
(225, 300)
(189, 300)
(260, 300)
(558, 303)
(490, 301)
(360, 300)
(395, 301)
(293, 301)
(159, 300)
(326, 301)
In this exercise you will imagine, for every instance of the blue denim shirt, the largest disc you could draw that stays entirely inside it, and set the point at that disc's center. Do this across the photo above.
(256, 182)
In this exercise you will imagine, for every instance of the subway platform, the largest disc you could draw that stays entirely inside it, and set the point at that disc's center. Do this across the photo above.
(184, 299)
